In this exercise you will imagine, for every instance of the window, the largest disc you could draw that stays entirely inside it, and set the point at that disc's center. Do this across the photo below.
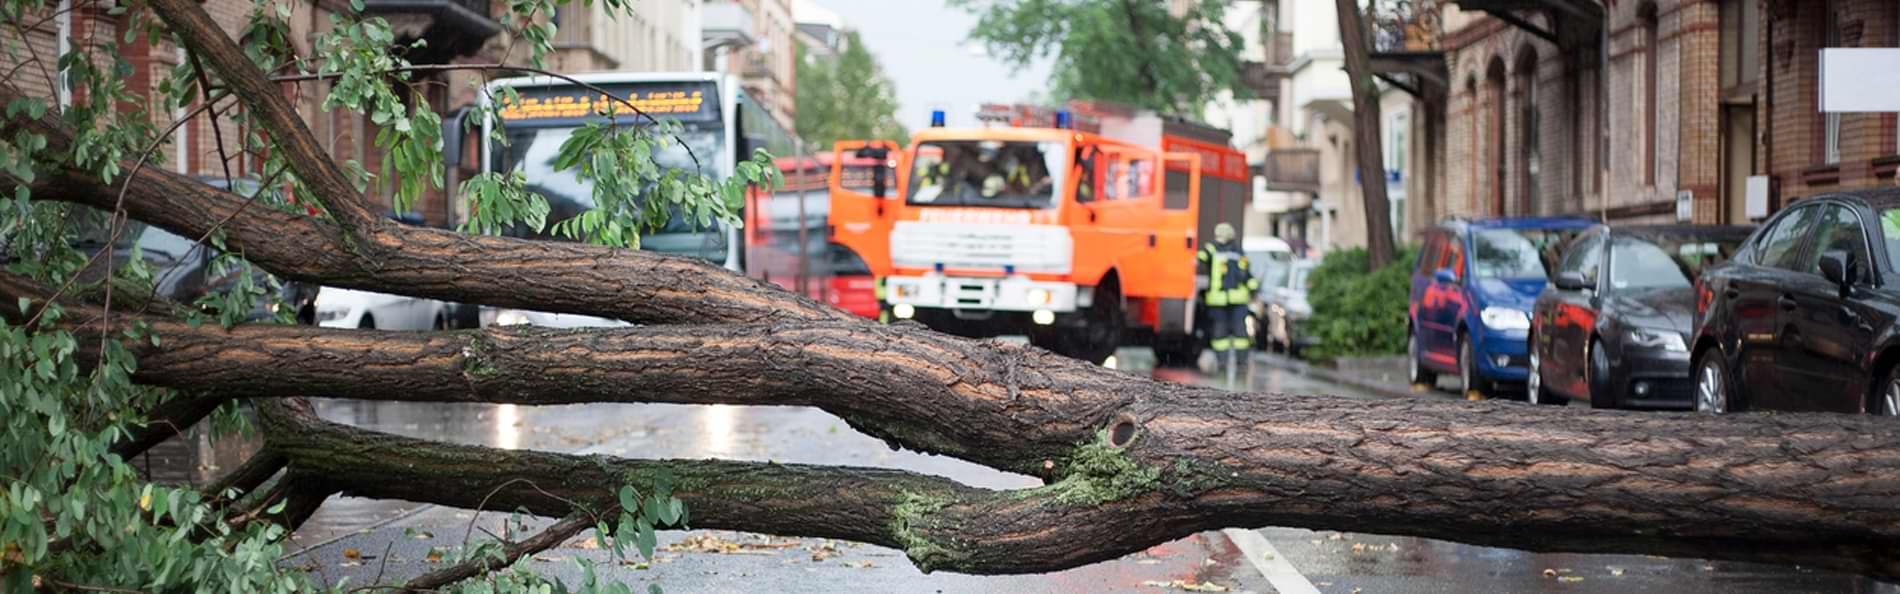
(1129, 179)
(989, 173)
(1584, 257)
(1653, 153)
(1504, 253)
(1428, 255)
(1831, 122)
(1781, 247)
(1839, 230)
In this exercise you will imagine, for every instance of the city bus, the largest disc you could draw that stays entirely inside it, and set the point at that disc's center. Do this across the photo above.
(719, 122)
(777, 223)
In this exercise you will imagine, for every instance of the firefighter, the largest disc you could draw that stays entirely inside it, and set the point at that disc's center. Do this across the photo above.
(1230, 288)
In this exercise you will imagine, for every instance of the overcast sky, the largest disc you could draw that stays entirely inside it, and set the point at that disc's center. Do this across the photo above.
(920, 45)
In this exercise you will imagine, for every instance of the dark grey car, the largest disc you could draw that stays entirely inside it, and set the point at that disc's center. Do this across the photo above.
(1613, 329)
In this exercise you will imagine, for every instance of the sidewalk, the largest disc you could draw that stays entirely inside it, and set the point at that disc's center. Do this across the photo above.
(1383, 375)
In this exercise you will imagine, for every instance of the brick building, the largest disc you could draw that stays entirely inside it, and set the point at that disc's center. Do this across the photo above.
(1804, 150)
(455, 31)
(1699, 96)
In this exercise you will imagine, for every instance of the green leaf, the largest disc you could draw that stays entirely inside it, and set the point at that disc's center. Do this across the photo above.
(628, 500)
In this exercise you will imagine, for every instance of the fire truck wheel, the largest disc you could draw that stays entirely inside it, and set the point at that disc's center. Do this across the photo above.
(1099, 335)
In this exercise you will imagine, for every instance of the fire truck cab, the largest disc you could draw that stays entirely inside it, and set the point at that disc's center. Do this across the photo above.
(1081, 237)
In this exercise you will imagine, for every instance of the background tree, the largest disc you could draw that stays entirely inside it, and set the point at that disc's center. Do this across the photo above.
(1367, 138)
(846, 97)
(1128, 51)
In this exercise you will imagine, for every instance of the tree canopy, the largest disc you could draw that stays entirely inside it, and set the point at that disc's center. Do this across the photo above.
(846, 97)
(1136, 52)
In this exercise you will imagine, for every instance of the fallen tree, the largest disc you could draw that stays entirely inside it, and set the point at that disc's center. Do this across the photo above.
(1128, 462)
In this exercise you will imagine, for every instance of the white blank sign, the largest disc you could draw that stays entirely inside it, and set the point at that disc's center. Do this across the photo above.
(1860, 79)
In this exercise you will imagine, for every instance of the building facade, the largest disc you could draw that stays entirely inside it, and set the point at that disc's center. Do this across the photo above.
(652, 36)
(1696, 96)
(767, 62)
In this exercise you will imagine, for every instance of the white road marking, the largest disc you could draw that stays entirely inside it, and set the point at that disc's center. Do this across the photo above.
(1268, 561)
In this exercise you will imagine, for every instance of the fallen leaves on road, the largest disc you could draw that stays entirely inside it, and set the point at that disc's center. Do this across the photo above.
(713, 543)
(1186, 586)
(1570, 578)
(434, 556)
(823, 550)
(1550, 572)
(353, 554)
(1616, 571)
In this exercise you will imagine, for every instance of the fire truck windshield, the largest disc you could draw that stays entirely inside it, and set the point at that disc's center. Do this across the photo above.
(992, 173)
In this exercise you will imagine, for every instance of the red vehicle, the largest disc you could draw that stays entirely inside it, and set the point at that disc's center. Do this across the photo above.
(779, 223)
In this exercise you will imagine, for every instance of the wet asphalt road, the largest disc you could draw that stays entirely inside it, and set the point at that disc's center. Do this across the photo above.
(392, 538)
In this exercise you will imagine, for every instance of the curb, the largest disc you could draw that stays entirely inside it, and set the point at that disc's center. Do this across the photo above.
(1304, 368)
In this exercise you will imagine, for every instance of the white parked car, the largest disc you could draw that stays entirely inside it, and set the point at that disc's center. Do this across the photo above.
(345, 308)
(517, 317)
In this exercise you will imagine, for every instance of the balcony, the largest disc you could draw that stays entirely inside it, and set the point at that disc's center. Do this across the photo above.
(1405, 50)
(724, 24)
(1569, 24)
(449, 28)
(1291, 170)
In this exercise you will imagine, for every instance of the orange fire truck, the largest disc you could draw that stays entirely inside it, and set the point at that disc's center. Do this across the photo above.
(1076, 227)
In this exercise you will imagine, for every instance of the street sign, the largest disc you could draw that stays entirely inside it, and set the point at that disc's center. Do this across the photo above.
(1860, 79)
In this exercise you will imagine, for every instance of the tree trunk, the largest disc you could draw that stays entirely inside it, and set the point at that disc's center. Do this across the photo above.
(1130, 462)
(1366, 136)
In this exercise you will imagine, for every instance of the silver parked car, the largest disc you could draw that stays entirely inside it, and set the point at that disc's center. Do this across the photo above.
(1287, 309)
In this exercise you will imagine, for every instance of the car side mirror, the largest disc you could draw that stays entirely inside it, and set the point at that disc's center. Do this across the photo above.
(1445, 275)
(1837, 266)
(1573, 280)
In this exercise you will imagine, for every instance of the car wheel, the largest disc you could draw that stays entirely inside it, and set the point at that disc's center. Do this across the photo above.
(368, 322)
(1890, 393)
(1711, 384)
(1534, 389)
(1469, 385)
(1599, 381)
(1419, 374)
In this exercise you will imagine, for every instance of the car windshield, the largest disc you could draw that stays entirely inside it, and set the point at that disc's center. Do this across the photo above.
(1298, 280)
(1665, 261)
(1506, 253)
(1017, 174)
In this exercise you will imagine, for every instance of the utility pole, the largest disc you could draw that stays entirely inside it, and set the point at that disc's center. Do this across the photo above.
(1366, 134)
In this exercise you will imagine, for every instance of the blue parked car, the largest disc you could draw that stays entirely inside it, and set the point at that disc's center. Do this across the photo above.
(1472, 294)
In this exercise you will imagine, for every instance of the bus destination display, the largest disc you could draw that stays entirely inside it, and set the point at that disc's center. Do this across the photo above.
(686, 102)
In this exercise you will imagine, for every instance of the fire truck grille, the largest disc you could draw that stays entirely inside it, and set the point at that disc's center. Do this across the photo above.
(982, 246)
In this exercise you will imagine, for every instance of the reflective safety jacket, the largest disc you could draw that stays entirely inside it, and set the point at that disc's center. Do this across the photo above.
(1229, 279)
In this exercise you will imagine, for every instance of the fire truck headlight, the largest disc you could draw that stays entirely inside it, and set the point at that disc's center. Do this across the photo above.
(1043, 317)
(904, 311)
(1039, 296)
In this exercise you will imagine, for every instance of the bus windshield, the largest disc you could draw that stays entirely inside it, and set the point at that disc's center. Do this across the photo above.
(532, 152)
(1018, 174)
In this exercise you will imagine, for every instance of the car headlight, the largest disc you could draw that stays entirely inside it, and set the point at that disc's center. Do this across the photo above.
(511, 318)
(1504, 318)
(1652, 338)
(331, 315)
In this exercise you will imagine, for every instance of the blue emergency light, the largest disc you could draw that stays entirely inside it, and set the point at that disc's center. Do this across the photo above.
(1064, 120)
(936, 118)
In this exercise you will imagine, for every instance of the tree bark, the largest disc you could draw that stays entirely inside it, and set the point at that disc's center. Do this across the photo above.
(1153, 460)
(1366, 136)
(1302, 475)
(631, 285)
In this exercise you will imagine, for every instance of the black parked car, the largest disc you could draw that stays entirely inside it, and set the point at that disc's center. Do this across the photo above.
(1802, 319)
(1613, 329)
(182, 268)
